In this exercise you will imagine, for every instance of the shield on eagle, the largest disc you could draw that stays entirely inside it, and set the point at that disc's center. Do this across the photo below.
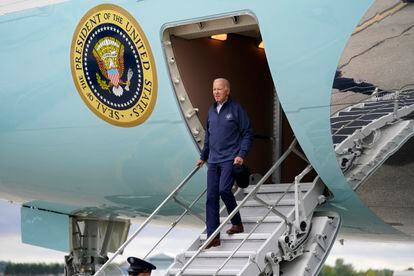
(109, 54)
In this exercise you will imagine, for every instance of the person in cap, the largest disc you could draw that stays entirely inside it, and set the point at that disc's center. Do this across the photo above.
(227, 141)
(138, 267)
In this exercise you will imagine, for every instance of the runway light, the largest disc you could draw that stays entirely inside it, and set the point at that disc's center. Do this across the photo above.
(221, 37)
(261, 45)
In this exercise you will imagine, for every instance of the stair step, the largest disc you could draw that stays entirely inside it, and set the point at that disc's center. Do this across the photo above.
(254, 203)
(254, 220)
(278, 188)
(220, 254)
(229, 243)
(275, 196)
(213, 259)
(209, 272)
(254, 236)
(260, 211)
(267, 226)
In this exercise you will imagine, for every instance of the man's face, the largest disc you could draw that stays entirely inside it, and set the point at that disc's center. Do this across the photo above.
(220, 91)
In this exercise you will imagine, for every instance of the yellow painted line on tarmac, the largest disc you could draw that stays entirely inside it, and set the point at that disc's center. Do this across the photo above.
(379, 16)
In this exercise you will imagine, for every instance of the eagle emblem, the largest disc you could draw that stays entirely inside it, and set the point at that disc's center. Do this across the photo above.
(109, 55)
(114, 72)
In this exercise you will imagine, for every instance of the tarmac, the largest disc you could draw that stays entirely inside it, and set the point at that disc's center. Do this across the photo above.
(382, 53)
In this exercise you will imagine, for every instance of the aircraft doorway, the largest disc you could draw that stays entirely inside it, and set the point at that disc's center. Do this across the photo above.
(195, 59)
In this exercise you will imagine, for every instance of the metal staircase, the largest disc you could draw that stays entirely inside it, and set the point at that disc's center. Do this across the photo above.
(259, 250)
(283, 233)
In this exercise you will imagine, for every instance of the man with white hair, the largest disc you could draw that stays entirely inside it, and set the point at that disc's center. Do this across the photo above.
(227, 142)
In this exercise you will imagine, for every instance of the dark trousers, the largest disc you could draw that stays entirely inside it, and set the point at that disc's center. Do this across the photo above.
(219, 183)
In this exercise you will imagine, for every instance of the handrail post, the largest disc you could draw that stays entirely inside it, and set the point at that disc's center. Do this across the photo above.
(300, 214)
(171, 195)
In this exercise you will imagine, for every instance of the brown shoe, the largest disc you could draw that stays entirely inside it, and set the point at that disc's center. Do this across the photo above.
(215, 242)
(238, 228)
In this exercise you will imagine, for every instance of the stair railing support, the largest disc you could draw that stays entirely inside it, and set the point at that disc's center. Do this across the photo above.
(300, 214)
(291, 242)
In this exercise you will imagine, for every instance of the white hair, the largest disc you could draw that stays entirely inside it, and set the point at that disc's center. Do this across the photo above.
(225, 82)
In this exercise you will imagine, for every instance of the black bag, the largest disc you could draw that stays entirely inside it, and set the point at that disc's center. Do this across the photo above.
(241, 174)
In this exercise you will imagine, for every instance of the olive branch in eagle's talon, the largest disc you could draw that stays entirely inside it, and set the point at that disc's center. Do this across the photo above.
(102, 83)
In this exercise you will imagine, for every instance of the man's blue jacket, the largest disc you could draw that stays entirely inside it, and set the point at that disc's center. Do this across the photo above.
(228, 133)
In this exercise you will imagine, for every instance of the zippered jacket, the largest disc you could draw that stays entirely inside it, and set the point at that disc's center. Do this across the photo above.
(228, 133)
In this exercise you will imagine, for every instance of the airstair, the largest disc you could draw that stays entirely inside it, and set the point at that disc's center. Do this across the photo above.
(283, 233)
(280, 236)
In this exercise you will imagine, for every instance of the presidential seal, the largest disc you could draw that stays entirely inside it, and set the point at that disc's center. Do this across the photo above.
(113, 67)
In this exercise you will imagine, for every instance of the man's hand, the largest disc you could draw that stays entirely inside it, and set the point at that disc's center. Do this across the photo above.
(200, 163)
(238, 160)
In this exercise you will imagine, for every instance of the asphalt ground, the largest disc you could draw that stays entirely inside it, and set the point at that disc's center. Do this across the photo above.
(383, 53)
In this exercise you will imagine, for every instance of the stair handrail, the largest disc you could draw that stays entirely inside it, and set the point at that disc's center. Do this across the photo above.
(242, 203)
(174, 223)
(149, 219)
(270, 207)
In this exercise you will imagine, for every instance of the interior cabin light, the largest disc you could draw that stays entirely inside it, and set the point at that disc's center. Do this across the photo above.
(221, 37)
(261, 45)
